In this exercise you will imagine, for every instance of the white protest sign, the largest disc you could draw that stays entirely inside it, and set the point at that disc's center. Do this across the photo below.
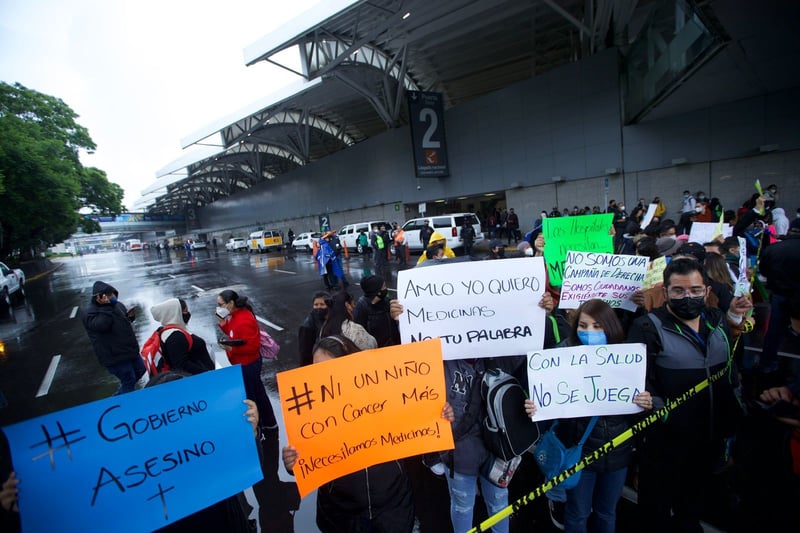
(612, 278)
(586, 380)
(648, 217)
(703, 232)
(742, 283)
(477, 308)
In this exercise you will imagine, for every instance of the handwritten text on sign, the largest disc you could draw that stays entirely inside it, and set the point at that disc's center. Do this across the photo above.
(477, 308)
(655, 274)
(612, 278)
(703, 232)
(166, 451)
(364, 409)
(588, 233)
(586, 380)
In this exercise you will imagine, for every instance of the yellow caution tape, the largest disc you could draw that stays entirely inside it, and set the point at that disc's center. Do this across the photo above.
(602, 451)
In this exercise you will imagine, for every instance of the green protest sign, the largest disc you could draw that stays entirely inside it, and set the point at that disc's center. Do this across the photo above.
(586, 233)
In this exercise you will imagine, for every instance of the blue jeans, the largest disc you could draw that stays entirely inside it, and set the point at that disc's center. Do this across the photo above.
(128, 373)
(462, 500)
(596, 492)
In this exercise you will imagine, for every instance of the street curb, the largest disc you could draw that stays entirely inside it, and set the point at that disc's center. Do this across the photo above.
(43, 274)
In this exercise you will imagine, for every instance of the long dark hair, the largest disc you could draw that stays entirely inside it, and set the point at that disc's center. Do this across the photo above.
(336, 345)
(604, 315)
(337, 314)
(229, 296)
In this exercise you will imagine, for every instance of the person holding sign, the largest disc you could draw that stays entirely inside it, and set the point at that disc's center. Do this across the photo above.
(243, 347)
(600, 485)
(463, 465)
(687, 342)
(377, 498)
(225, 515)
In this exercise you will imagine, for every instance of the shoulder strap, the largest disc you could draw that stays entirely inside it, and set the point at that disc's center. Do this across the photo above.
(185, 333)
(554, 324)
(588, 431)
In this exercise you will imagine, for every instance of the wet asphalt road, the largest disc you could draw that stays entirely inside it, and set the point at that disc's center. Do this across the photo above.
(280, 286)
(49, 363)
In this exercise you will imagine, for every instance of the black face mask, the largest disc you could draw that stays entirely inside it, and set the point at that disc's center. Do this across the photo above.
(687, 308)
(383, 294)
(319, 314)
(186, 316)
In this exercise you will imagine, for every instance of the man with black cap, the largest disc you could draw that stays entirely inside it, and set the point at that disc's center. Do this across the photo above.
(108, 324)
(372, 312)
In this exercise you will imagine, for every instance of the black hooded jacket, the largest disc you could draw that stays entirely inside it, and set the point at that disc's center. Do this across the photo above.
(109, 329)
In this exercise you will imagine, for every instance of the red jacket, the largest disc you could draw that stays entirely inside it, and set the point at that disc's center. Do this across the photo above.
(242, 324)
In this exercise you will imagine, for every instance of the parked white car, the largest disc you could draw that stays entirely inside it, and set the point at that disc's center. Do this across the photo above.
(199, 245)
(305, 241)
(235, 244)
(12, 285)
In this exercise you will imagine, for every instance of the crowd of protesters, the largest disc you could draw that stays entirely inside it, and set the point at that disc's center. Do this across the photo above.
(730, 455)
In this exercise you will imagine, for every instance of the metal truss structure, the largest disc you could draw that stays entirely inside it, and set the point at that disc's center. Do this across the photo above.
(358, 63)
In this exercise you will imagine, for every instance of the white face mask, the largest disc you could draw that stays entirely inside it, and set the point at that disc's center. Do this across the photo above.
(529, 252)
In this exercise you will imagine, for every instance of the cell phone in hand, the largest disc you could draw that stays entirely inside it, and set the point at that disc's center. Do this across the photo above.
(231, 342)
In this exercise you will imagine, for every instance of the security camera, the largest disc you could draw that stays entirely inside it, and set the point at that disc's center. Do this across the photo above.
(419, 187)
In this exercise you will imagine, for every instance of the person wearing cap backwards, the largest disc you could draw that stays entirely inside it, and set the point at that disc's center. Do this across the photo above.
(372, 312)
(108, 324)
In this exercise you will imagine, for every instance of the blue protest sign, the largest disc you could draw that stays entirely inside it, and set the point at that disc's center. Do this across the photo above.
(138, 461)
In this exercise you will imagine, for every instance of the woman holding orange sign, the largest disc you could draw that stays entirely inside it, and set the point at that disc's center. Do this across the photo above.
(377, 498)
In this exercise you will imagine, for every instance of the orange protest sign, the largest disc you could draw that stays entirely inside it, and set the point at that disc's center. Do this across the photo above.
(364, 409)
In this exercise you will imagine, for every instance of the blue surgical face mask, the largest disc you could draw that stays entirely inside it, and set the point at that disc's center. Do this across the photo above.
(592, 338)
(112, 299)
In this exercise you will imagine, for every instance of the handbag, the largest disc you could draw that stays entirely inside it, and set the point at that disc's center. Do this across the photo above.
(499, 471)
(553, 457)
(269, 348)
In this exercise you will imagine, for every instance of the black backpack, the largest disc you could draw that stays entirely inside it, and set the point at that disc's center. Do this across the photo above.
(507, 430)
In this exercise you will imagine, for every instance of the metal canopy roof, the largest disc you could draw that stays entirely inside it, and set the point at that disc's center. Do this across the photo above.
(356, 65)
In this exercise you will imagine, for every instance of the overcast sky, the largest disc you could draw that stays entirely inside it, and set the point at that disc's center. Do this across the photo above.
(142, 74)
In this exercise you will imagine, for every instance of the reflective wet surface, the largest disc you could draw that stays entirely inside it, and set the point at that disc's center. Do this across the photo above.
(48, 362)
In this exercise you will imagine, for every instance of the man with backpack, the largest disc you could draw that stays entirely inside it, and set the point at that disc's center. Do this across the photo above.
(172, 346)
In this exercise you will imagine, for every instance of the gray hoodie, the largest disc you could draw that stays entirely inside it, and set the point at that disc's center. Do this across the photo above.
(168, 312)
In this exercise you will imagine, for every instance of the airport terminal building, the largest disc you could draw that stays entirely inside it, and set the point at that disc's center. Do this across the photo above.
(465, 106)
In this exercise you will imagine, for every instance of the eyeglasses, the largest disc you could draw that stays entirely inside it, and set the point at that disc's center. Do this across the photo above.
(681, 292)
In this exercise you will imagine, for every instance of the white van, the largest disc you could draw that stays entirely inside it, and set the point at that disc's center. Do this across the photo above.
(348, 234)
(447, 225)
(264, 241)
